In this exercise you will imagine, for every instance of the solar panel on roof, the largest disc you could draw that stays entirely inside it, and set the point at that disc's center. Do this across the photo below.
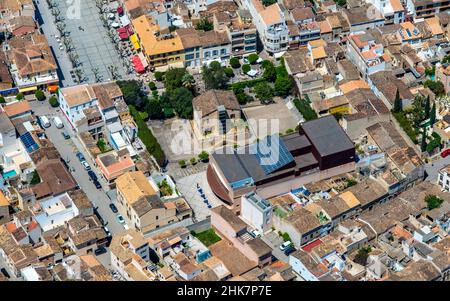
(272, 154)
(29, 142)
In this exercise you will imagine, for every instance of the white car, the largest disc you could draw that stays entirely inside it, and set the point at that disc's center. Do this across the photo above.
(285, 245)
(86, 165)
(255, 233)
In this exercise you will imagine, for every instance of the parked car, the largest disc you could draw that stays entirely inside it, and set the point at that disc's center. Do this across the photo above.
(285, 245)
(80, 157)
(92, 175)
(120, 219)
(58, 123)
(107, 231)
(100, 251)
(5, 273)
(289, 250)
(86, 165)
(255, 233)
(45, 123)
(65, 135)
(97, 184)
(113, 208)
(445, 153)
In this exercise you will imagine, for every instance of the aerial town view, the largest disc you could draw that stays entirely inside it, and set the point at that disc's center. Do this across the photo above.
(224, 140)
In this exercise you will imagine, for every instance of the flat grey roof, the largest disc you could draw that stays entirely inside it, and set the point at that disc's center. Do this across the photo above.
(326, 135)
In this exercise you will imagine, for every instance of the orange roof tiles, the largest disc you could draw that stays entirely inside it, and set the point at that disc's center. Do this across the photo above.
(353, 85)
(397, 5)
(318, 53)
(17, 108)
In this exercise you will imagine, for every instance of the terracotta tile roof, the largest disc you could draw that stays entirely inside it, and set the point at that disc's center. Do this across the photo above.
(17, 108)
(318, 53)
(353, 85)
(133, 185)
(397, 5)
(78, 95)
(208, 102)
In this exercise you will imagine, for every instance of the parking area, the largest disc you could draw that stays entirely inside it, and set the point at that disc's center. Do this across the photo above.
(188, 187)
(278, 111)
(273, 240)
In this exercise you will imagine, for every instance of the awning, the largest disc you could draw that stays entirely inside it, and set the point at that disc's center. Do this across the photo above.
(120, 10)
(279, 54)
(135, 41)
(52, 88)
(124, 36)
(138, 66)
(28, 89)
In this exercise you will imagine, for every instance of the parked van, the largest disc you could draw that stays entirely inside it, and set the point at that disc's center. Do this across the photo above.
(58, 123)
(44, 121)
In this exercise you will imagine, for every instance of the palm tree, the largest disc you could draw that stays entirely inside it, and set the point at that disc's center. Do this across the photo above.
(61, 28)
(79, 74)
(68, 43)
(188, 81)
(97, 76)
(51, 4)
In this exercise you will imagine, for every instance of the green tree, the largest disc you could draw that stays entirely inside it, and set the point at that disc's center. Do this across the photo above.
(234, 63)
(433, 115)
(427, 107)
(174, 78)
(246, 68)
(172, 28)
(341, 3)
(204, 24)
(35, 179)
(20, 96)
(182, 163)
(423, 144)
(180, 100)
(270, 73)
(264, 92)
(268, 2)
(203, 156)
(252, 58)
(433, 201)
(39, 95)
(154, 109)
(132, 93)
(53, 101)
(229, 72)
(398, 107)
(2, 99)
(437, 87)
(214, 76)
(283, 86)
(362, 255)
(188, 81)
(159, 76)
(152, 86)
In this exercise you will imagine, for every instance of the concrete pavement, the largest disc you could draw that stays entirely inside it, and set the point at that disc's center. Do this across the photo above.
(433, 168)
(68, 150)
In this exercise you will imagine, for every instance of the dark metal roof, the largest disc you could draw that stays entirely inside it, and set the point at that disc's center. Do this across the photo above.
(326, 135)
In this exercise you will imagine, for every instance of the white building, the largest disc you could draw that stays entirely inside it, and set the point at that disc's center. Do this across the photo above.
(56, 212)
(392, 10)
(73, 100)
(444, 179)
(271, 25)
(365, 54)
(257, 212)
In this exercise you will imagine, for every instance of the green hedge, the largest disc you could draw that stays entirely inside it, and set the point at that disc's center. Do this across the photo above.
(305, 109)
(246, 84)
(147, 137)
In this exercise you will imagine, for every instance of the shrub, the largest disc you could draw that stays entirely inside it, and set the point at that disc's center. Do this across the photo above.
(234, 62)
(20, 96)
(152, 86)
(203, 156)
(246, 68)
(53, 101)
(147, 137)
(433, 201)
(159, 76)
(182, 163)
(229, 72)
(264, 92)
(39, 95)
(35, 179)
(2, 99)
(193, 161)
(305, 109)
(252, 58)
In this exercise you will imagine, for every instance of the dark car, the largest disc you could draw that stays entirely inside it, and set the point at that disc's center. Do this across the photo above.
(113, 208)
(5, 273)
(100, 251)
(289, 251)
(97, 184)
(65, 135)
(92, 175)
(80, 157)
